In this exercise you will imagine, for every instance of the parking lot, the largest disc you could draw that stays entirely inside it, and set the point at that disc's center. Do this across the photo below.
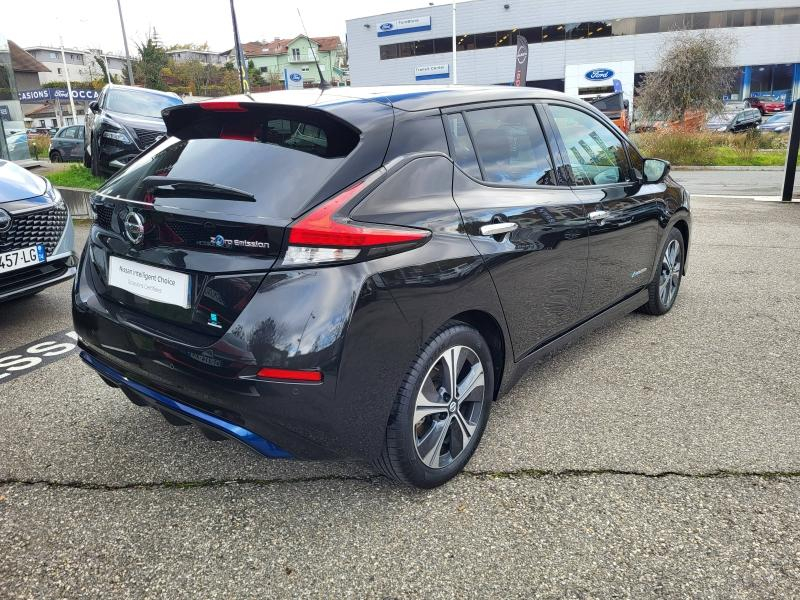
(657, 457)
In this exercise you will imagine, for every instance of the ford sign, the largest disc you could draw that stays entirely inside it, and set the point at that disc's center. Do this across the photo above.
(387, 26)
(599, 74)
(296, 77)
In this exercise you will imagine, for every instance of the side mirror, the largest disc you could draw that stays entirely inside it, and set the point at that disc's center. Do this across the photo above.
(655, 170)
(94, 107)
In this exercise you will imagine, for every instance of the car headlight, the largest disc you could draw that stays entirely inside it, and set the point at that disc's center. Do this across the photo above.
(54, 195)
(118, 135)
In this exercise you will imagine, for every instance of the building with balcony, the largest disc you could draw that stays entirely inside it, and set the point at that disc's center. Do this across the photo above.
(81, 64)
(204, 56)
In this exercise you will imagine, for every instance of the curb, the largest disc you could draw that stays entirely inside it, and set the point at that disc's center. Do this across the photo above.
(77, 200)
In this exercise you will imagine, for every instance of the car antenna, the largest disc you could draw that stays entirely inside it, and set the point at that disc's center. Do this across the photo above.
(323, 85)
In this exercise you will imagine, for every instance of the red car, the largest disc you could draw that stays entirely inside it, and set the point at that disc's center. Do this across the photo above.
(766, 104)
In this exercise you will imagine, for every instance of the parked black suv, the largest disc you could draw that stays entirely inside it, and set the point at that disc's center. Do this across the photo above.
(362, 272)
(123, 122)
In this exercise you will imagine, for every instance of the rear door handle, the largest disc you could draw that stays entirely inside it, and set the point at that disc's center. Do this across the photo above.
(598, 215)
(498, 228)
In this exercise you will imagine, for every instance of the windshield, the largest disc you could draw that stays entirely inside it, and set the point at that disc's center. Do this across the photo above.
(138, 102)
(781, 118)
(767, 99)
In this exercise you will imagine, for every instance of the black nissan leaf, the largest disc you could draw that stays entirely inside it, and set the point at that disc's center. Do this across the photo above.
(361, 273)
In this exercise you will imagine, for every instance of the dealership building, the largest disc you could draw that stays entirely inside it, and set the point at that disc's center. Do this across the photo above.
(581, 47)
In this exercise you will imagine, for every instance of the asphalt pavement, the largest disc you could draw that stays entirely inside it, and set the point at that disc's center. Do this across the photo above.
(656, 457)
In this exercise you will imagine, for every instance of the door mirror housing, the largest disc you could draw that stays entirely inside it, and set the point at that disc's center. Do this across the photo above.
(94, 107)
(655, 170)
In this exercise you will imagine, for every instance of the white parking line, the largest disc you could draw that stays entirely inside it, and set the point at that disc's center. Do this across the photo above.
(30, 357)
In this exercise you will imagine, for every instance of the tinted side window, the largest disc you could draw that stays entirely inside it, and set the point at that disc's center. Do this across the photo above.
(596, 155)
(511, 146)
(461, 149)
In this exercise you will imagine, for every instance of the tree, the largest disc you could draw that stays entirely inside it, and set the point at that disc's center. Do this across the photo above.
(692, 75)
(152, 59)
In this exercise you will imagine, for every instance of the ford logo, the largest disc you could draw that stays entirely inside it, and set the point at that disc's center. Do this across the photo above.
(599, 74)
(5, 221)
(134, 227)
(386, 26)
(296, 77)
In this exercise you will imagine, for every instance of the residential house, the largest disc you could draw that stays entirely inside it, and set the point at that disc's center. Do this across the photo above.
(81, 65)
(203, 56)
(273, 59)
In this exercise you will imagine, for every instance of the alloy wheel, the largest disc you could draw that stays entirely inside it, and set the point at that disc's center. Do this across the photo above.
(449, 407)
(670, 273)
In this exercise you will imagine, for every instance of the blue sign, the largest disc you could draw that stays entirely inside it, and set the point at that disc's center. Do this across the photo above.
(599, 74)
(408, 25)
(44, 94)
(296, 77)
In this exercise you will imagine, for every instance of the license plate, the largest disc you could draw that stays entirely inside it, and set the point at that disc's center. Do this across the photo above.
(19, 259)
(152, 283)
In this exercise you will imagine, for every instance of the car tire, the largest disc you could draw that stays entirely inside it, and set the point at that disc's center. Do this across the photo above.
(95, 162)
(55, 157)
(432, 433)
(663, 289)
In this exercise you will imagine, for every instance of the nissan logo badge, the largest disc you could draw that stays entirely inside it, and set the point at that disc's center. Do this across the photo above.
(134, 227)
(5, 220)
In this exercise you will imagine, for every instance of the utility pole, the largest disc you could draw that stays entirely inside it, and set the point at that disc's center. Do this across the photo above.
(455, 67)
(69, 85)
(125, 40)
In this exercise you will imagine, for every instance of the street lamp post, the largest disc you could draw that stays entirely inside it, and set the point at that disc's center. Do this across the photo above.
(69, 85)
(125, 40)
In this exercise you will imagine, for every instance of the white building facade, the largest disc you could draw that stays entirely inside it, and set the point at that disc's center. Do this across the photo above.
(569, 38)
(81, 65)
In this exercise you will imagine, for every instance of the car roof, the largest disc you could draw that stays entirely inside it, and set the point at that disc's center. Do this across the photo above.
(407, 98)
(114, 86)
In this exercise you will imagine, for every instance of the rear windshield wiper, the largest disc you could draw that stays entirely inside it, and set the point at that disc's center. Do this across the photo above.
(170, 186)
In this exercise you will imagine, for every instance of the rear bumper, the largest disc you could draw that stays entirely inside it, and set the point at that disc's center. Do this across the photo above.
(288, 324)
(35, 278)
(198, 417)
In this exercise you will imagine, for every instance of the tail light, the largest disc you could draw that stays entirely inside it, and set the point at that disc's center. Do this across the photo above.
(326, 234)
(310, 376)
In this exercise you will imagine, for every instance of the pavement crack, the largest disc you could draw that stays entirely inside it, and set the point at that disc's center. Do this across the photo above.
(482, 474)
(201, 483)
(715, 474)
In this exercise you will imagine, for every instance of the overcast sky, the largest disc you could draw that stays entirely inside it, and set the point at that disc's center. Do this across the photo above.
(95, 23)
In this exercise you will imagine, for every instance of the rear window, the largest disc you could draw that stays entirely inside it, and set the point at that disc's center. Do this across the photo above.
(282, 160)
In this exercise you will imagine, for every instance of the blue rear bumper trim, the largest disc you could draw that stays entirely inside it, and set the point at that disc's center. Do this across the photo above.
(245, 436)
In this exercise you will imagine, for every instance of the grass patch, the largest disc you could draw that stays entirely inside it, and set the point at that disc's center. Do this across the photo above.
(76, 176)
(714, 149)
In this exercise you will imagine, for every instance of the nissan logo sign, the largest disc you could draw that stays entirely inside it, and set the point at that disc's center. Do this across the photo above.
(5, 220)
(134, 227)
(599, 74)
